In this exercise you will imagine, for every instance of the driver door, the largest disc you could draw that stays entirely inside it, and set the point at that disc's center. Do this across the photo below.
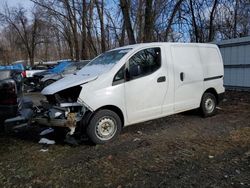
(145, 86)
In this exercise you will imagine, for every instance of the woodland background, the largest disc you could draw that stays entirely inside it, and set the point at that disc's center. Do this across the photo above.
(82, 29)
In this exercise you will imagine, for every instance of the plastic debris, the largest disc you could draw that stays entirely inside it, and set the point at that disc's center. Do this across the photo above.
(46, 141)
(136, 139)
(139, 132)
(44, 150)
(46, 131)
(210, 156)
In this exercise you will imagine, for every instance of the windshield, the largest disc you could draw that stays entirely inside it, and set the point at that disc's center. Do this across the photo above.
(104, 62)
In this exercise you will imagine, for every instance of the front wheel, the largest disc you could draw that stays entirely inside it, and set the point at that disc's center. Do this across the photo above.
(208, 105)
(104, 126)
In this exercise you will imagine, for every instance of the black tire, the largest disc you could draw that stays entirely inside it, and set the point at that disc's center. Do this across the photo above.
(48, 82)
(208, 105)
(104, 122)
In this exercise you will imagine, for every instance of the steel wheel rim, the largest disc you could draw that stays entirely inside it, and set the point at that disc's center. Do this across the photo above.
(209, 105)
(106, 128)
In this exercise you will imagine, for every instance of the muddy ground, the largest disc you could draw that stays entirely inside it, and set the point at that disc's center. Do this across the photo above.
(183, 150)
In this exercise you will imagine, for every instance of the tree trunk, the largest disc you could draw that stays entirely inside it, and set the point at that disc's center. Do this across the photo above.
(125, 11)
(100, 14)
(148, 27)
(235, 19)
(211, 21)
(140, 21)
(196, 31)
(122, 40)
(73, 24)
(92, 50)
(171, 19)
(84, 53)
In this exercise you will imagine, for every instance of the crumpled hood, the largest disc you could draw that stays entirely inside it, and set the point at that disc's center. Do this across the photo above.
(67, 82)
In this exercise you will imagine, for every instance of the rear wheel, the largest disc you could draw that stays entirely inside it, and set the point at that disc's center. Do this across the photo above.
(104, 126)
(208, 105)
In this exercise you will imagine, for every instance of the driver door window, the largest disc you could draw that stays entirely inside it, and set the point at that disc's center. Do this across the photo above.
(144, 62)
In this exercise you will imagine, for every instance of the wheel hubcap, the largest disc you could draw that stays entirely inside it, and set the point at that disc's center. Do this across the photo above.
(106, 128)
(209, 105)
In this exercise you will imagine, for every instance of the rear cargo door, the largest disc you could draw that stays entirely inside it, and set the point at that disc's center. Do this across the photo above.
(188, 76)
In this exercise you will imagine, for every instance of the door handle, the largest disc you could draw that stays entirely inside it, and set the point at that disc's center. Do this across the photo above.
(182, 76)
(161, 79)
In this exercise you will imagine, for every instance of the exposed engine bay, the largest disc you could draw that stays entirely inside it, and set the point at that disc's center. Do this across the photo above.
(62, 109)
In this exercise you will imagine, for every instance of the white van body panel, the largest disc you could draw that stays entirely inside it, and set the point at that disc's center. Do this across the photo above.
(186, 60)
(145, 98)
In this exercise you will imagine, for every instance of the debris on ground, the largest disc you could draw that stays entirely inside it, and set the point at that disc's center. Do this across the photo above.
(46, 141)
(44, 150)
(219, 108)
(139, 132)
(136, 139)
(46, 131)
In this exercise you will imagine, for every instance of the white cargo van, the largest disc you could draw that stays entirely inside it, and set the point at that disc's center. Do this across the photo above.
(134, 84)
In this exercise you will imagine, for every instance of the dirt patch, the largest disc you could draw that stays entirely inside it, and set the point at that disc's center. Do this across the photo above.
(182, 150)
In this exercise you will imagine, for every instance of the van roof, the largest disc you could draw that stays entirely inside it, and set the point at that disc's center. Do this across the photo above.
(133, 46)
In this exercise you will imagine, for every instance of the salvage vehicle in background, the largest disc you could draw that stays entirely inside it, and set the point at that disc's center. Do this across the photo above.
(133, 84)
(29, 73)
(37, 77)
(15, 110)
(71, 69)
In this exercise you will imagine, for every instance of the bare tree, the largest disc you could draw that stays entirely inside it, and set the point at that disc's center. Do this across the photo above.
(149, 21)
(125, 5)
(100, 10)
(172, 16)
(27, 30)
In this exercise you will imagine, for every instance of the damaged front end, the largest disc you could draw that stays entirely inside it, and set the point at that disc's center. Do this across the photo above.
(62, 109)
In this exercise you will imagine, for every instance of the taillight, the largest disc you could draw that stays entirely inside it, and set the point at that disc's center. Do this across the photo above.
(24, 74)
(8, 93)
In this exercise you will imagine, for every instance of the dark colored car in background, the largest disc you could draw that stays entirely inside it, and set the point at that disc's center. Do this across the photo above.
(15, 109)
(55, 70)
